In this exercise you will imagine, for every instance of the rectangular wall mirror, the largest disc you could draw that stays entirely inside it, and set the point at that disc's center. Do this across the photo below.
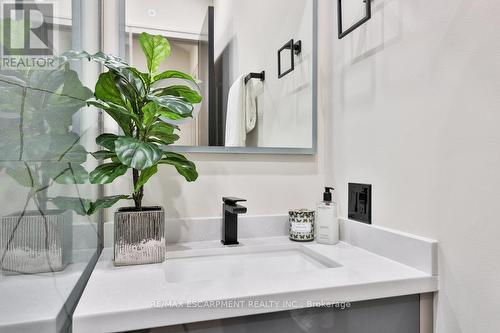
(227, 45)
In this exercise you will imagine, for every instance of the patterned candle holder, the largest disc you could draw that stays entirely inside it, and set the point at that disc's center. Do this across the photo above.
(301, 225)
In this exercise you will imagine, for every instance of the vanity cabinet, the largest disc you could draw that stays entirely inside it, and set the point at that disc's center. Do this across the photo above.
(390, 315)
(270, 285)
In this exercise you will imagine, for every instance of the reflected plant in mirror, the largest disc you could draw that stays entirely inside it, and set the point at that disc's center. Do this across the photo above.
(39, 150)
(146, 112)
(46, 132)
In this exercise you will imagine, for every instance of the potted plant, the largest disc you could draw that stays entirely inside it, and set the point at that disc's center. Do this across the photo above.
(146, 110)
(38, 149)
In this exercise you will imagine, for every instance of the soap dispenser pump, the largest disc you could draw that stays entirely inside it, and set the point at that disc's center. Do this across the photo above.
(327, 195)
(327, 223)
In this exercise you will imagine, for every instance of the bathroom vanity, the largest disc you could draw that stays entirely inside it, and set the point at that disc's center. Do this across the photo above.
(374, 280)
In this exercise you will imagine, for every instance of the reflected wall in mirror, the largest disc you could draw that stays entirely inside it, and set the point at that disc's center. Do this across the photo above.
(226, 45)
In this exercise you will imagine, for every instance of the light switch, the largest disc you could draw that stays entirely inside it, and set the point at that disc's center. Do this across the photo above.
(360, 202)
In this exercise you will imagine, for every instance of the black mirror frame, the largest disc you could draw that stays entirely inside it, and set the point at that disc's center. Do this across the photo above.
(356, 25)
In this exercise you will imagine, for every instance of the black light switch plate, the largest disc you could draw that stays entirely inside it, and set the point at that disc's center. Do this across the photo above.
(360, 202)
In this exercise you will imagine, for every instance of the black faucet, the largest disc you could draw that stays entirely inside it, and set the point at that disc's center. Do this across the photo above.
(230, 211)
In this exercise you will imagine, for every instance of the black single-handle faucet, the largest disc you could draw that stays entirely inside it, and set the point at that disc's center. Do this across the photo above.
(230, 211)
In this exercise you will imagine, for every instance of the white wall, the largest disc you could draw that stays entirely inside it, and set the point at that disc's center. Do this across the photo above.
(175, 16)
(416, 113)
(250, 32)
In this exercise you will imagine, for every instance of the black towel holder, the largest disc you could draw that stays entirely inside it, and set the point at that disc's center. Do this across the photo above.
(368, 14)
(295, 49)
(261, 76)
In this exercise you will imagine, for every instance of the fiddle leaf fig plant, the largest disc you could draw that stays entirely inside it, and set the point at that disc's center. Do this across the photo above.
(145, 109)
(38, 148)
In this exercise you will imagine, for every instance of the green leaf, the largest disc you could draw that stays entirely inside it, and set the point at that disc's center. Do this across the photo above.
(150, 112)
(137, 154)
(35, 147)
(103, 155)
(106, 89)
(121, 88)
(164, 140)
(107, 173)
(163, 127)
(23, 174)
(117, 66)
(73, 55)
(173, 107)
(106, 202)
(74, 174)
(78, 205)
(190, 95)
(162, 133)
(65, 173)
(85, 206)
(107, 141)
(145, 175)
(120, 114)
(132, 78)
(173, 75)
(76, 154)
(74, 89)
(110, 61)
(144, 76)
(65, 147)
(186, 168)
(155, 48)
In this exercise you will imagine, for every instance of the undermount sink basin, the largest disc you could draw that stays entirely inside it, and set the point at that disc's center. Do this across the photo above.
(243, 261)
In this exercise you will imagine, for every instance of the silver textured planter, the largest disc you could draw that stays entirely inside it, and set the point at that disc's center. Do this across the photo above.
(33, 243)
(139, 236)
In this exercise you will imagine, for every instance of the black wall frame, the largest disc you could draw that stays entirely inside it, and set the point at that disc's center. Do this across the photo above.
(368, 15)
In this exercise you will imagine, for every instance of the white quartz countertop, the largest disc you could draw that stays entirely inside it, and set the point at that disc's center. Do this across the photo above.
(136, 297)
(42, 302)
(33, 303)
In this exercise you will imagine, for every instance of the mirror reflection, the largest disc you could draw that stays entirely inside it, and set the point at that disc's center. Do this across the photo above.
(256, 93)
(46, 249)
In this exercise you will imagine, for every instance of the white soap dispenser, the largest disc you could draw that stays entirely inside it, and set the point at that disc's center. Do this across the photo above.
(327, 222)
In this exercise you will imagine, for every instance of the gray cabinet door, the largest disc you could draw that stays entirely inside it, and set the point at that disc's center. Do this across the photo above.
(392, 315)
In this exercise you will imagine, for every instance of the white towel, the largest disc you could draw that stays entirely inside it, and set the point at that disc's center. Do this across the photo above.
(241, 112)
(251, 105)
